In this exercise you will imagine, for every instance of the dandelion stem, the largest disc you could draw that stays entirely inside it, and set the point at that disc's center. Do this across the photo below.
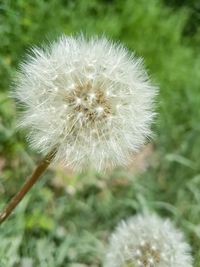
(39, 170)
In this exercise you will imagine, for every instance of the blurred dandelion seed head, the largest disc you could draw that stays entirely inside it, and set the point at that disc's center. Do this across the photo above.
(147, 241)
(89, 98)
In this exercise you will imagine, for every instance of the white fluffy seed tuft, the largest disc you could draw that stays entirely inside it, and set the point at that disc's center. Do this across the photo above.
(147, 241)
(89, 98)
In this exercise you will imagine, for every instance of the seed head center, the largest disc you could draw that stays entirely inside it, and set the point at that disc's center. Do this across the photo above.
(147, 255)
(89, 102)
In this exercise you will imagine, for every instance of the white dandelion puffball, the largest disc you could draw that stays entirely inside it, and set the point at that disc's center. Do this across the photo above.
(89, 98)
(147, 241)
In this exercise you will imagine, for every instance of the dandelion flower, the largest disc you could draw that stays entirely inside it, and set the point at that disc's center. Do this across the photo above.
(89, 98)
(147, 241)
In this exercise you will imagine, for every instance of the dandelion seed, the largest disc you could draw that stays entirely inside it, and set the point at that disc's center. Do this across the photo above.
(108, 96)
(133, 244)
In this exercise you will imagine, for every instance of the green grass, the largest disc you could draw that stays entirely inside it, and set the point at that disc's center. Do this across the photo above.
(66, 219)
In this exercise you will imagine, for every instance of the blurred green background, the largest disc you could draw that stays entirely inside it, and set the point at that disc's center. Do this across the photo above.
(66, 219)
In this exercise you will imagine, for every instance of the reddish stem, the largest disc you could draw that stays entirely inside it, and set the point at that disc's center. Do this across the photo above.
(39, 170)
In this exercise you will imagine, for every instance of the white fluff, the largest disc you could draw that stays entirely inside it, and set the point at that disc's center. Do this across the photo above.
(147, 241)
(88, 98)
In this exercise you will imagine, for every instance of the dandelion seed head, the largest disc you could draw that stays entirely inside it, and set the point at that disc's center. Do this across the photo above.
(147, 241)
(89, 98)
